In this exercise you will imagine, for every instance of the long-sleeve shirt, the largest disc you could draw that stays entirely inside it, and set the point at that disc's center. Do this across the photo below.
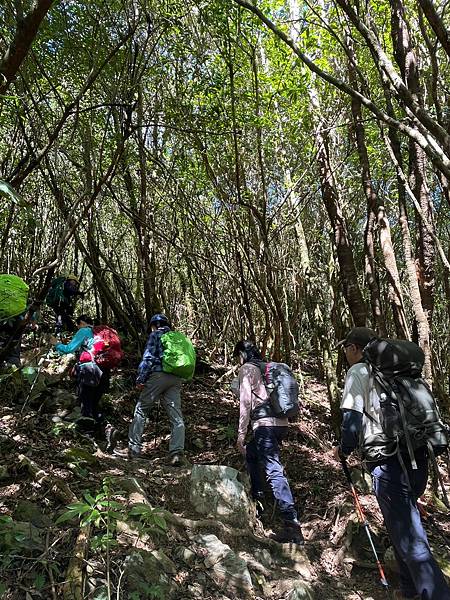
(253, 393)
(153, 354)
(83, 337)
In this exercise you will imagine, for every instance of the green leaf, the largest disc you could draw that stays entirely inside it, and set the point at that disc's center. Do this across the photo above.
(39, 581)
(160, 521)
(67, 516)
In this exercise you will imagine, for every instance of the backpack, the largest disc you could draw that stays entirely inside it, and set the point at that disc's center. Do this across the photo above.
(13, 296)
(55, 295)
(106, 349)
(178, 355)
(409, 418)
(282, 388)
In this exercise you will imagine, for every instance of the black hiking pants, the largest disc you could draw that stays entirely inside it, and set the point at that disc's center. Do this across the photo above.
(89, 397)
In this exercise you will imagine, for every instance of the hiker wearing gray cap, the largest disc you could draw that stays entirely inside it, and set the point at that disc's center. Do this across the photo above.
(399, 479)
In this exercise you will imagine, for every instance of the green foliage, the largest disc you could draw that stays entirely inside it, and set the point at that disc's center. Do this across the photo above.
(150, 591)
(226, 432)
(11, 538)
(149, 518)
(60, 428)
(102, 512)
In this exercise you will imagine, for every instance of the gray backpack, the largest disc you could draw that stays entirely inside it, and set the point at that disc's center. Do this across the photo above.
(282, 388)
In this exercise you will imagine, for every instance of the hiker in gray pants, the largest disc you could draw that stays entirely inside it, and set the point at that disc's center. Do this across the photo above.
(165, 387)
(156, 385)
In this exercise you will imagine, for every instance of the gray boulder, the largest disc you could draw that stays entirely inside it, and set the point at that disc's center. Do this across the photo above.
(228, 570)
(216, 492)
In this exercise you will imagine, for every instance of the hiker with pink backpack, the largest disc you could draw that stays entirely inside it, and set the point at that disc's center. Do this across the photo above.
(99, 351)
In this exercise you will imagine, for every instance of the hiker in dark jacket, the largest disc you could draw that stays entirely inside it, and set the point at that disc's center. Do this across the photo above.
(396, 491)
(263, 450)
(64, 303)
(156, 385)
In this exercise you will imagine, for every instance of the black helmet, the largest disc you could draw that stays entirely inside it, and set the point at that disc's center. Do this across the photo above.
(159, 319)
(247, 350)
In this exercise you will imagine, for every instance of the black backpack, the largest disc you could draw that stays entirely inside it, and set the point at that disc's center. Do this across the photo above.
(409, 416)
(282, 388)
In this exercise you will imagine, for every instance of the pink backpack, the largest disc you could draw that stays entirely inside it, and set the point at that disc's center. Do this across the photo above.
(106, 350)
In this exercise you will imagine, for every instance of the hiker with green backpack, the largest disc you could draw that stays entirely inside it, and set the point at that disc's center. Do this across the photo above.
(168, 360)
(13, 304)
(390, 416)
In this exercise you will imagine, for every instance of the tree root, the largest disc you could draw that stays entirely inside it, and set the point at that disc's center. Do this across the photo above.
(75, 576)
(59, 488)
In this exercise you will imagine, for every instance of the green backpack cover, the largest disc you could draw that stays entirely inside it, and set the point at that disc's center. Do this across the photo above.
(13, 296)
(55, 296)
(178, 355)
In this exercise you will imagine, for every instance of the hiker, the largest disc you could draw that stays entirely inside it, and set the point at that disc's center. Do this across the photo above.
(9, 335)
(263, 450)
(92, 381)
(62, 296)
(13, 304)
(155, 385)
(396, 486)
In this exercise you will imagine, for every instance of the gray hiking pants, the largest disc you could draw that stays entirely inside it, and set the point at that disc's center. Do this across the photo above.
(166, 388)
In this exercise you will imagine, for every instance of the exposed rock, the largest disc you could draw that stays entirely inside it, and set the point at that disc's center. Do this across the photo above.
(29, 511)
(293, 589)
(64, 398)
(26, 537)
(196, 591)
(167, 564)
(216, 491)
(186, 555)
(227, 569)
(74, 415)
(143, 570)
(263, 556)
(254, 564)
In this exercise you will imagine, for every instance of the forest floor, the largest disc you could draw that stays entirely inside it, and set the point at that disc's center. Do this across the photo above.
(143, 506)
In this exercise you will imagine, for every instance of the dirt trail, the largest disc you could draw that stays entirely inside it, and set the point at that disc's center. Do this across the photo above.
(47, 463)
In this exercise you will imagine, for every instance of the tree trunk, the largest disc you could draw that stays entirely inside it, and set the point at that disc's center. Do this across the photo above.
(26, 31)
(344, 251)
(406, 58)
(372, 206)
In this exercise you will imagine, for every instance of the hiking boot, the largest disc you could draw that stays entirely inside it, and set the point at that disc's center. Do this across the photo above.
(127, 453)
(399, 595)
(177, 460)
(85, 425)
(112, 435)
(291, 534)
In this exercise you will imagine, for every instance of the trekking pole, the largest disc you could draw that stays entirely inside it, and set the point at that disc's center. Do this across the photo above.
(156, 423)
(364, 523)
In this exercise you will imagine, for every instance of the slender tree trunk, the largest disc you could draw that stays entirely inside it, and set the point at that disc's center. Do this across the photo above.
(394, 292)
(344, 251)
(372, 206)
(437, 24)
(26, 30)
(406, 58)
